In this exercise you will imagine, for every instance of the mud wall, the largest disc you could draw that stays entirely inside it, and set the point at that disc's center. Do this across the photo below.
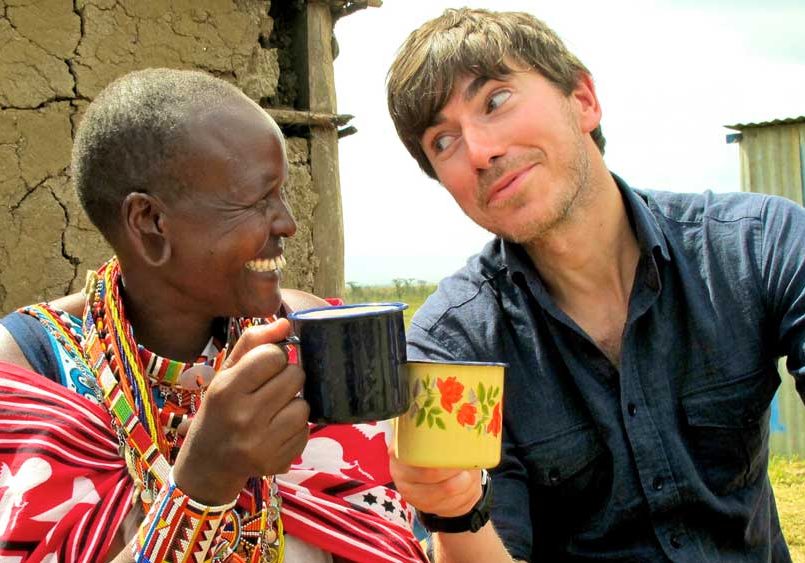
(55, 56)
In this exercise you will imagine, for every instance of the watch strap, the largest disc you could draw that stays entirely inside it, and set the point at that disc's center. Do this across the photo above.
(472, 521)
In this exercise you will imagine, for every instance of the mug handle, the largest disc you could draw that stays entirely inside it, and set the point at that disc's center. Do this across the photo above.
(291, 345)
(292, 340)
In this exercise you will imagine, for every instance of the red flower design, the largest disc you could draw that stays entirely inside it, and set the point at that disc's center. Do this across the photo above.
(451, 391)
(466, 414)
(494, 424)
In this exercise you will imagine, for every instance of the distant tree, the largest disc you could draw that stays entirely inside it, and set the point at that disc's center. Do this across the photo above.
(355, 290)
(399, 284)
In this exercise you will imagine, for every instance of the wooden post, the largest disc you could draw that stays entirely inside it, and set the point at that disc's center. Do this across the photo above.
(327, 227)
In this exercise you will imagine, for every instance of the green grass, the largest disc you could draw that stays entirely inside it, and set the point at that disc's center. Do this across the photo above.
(787, 474)
(409, 291)
(788, 481)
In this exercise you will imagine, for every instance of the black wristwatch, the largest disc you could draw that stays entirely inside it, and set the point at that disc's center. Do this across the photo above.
(472, 521)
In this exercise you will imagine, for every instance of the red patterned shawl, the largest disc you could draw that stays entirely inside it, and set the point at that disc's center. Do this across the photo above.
(64, 488)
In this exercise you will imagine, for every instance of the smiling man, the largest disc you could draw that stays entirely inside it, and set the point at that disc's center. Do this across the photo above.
(162, 414)
(642, 329)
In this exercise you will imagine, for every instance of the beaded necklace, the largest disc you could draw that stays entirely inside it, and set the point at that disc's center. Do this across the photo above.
(252, 532)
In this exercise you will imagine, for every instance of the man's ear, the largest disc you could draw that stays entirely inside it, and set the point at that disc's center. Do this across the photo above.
(586, 102)
(145, 228)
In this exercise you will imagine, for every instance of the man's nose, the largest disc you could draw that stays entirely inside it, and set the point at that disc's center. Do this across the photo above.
(483, 146)
(284, 224)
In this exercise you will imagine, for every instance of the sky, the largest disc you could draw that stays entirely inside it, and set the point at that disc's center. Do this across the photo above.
(669, 75)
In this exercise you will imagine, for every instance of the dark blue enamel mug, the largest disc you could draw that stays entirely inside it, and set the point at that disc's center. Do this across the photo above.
(354, 361)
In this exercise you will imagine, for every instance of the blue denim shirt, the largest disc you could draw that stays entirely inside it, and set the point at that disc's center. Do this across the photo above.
(665, 457)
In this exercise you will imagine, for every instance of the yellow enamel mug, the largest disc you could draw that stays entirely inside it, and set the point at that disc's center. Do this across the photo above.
(456, 415)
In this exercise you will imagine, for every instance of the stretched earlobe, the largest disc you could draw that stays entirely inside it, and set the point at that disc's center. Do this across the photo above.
(145, 228)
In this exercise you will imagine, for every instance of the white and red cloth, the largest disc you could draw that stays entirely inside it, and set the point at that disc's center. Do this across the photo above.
(65, 489)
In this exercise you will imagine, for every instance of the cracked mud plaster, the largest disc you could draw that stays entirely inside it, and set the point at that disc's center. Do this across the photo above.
(55, 56)
(302, 200)
(37, 38)
(219, 36)
(28, 249)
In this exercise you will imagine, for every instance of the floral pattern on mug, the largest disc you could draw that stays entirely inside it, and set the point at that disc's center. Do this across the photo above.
(466, 415)
(423, 406)
(480, 411)
(484, 401)
(451, 392)
(495, 423)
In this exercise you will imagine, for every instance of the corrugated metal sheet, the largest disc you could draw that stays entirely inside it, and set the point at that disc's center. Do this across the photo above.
(787, 418)
(773, 162)
(786, 121)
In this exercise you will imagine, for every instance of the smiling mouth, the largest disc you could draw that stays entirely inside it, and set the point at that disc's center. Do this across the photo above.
(499, 190)
(275, 264)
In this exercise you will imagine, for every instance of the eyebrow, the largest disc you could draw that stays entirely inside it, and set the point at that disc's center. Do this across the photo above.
(469, 93)
(474, 87)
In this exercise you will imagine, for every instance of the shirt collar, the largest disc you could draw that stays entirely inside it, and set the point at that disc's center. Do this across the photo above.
(649, 234)
(638, 205)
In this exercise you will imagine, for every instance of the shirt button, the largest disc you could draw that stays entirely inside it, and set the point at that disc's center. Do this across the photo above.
(553, 475)
(632, 409)
(657, 483)
(676, 541)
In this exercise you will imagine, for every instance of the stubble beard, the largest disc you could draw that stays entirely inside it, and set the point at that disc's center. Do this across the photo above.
(572, 195)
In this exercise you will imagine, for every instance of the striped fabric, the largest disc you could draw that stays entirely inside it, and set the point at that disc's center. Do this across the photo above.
(370, 539)
(339, 496)
(64, 489)
(66, 506)
(61, 476)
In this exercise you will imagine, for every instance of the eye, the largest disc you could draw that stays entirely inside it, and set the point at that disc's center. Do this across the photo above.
(497, 99)
(442, 142)
(263, 203)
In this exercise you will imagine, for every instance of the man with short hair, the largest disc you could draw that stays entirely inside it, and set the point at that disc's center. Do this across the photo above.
(642, 329)
(164, 404)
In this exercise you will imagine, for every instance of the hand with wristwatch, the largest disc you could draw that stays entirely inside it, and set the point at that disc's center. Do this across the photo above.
(471, 521)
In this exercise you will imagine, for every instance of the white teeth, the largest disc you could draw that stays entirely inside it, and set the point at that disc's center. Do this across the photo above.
(266, 264)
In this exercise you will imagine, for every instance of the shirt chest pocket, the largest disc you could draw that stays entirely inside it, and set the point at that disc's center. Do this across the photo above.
(565, 472)
(727, 429)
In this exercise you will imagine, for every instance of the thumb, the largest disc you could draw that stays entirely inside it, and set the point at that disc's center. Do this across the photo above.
(255, 336)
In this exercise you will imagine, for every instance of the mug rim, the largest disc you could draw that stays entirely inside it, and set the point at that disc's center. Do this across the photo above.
(458, 363)
(393, 307)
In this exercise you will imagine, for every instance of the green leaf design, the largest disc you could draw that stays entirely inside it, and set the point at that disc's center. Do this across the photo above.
(420, 418)
(435, 410)
(481, 393)
(439, 423)
(430, 420)
(485, 410)
(429, 402)
(493, 396)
